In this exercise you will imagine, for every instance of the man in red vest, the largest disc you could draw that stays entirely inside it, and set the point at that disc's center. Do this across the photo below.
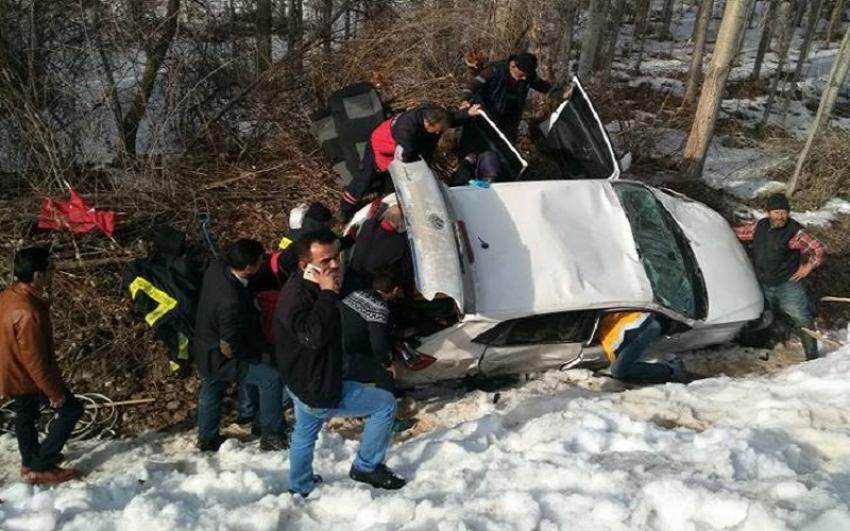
(412, 135)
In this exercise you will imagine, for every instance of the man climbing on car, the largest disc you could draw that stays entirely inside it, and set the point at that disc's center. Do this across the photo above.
(407, 137)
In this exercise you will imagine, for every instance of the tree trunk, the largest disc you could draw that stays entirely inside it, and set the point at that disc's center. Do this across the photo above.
(837, 75)
(734, 20)
(264, 35)
(766, 36)
(666, 19)
(784, 21)
(811, 26)
(700, 31)
(154, 60)
(295, 35)
(799, 12)
(592, 37)
(566, 48)
(835, 20)
(642, 9)
(327, 25)
(613, 37)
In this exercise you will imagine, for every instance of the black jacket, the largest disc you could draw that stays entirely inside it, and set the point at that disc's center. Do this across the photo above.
(227, 327)
(366, 339)
(409, 132)
(375, 248)
(165, 292)
(773, 261)
(309, 342)
(502, 97)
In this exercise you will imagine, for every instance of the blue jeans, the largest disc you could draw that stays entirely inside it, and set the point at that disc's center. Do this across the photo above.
(791, 299)
(249, 401)
(627, 365)
(265, 379)
(358, 400)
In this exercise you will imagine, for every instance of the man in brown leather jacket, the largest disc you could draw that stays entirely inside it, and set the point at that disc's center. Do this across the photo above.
(29, 372)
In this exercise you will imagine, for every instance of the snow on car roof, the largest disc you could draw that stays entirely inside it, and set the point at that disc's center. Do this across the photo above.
(550, 246)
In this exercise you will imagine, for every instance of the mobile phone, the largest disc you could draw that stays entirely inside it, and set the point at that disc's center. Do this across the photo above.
(310, 272)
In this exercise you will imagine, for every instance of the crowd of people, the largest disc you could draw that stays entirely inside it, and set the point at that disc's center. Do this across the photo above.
(295, 324)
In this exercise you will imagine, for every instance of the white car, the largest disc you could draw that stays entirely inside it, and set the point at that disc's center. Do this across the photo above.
(532, 265)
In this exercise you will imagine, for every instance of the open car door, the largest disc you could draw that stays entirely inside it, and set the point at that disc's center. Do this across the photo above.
(578, 140)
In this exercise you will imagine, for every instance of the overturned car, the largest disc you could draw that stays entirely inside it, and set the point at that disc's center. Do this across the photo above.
(529, 267)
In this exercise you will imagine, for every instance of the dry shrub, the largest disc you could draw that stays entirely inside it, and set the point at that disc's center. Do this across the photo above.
(826, 173)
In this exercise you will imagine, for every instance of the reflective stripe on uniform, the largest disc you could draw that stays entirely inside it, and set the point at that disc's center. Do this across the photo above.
(165, 303)
(284, 243)
(613, 328)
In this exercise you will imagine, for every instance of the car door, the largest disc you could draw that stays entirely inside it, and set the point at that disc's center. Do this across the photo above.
(577, 140)
(537, 343)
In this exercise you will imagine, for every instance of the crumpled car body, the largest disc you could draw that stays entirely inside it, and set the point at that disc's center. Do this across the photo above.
(532, 265)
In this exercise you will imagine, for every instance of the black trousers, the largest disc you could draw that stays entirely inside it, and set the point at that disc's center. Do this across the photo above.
(43, 456)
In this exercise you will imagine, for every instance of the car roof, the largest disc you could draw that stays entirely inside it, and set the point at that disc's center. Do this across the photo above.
(550, 246)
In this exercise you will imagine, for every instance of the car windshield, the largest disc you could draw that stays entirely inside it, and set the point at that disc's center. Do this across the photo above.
(663, 250)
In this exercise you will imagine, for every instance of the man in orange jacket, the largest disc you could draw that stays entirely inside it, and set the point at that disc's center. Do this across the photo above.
(29, 372)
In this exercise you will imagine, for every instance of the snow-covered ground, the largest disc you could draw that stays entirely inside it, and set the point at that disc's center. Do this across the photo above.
(760, 453)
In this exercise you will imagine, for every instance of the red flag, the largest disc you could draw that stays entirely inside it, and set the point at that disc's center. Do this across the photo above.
(75, 215)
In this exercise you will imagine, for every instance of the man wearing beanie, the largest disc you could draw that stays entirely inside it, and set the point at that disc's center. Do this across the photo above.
(501, 89)
(783, 254)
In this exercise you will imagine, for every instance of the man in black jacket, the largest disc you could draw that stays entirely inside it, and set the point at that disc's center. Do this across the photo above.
(309, 355)
(411, 135)
(229, 347)
(501, 89)
(381, 242)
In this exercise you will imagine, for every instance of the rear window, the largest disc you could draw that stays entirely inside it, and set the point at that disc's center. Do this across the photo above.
(561, 327)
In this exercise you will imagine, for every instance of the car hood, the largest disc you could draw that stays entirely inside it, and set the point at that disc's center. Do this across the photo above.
(733, 292)
(549, 246)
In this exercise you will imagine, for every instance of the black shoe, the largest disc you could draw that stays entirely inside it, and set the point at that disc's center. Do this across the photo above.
(273, 443)
(244, 420)
(380, 478)
(317, 479)
(212, 445)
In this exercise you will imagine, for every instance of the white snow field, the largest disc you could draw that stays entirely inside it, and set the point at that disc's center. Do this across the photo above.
(760, 453)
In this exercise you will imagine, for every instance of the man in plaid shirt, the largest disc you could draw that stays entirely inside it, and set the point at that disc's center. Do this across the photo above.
(783, 254)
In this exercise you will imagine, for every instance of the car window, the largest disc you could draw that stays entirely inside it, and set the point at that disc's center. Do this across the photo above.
(663, 250)
(561, 327)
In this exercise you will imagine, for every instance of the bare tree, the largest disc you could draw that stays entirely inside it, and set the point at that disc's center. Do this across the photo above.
(837, 75)
(784, 21)
(642, 9)
(155, 57)
(666, 19)
(264, 35)
(835, 19)
(700, 31)
(766, 36)
(597, 12)
(811, 26)
(613, 36)
(733, 23)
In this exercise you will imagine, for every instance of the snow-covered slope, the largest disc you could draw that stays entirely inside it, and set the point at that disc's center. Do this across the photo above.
(758, 453)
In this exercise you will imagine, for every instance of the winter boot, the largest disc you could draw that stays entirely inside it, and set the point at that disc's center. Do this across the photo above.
(212, 445)
(50, 477)
(381, 478)
(317, 480)
(273, 443)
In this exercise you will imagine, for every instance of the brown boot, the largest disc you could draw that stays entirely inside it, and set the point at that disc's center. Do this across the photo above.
(50, 477)
(26, 470)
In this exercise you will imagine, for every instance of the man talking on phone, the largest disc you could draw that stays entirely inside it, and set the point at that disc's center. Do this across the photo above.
(309, 354)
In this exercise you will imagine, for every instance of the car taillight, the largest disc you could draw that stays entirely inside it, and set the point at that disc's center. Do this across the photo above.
(463, 236)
